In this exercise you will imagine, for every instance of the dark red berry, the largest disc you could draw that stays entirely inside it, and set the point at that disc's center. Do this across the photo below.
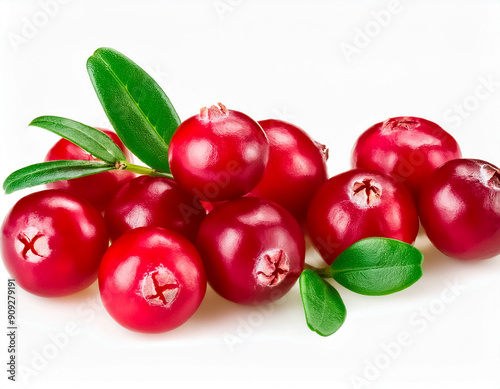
(406, 148)
(151, 280)
(154, 202)
(360, 204)
(53, 242)
(253, 250)
(296, 167)
(219, 154)
(98, 189)
(460, 209)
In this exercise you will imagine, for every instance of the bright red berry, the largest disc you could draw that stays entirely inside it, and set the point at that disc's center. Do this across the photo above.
(151, 280)
(99, 188)
(360, 204)
(253, 250)
(460, 209)
(406, 148)
(154, 202)
(219, 154)
(296, 167)
(53, 242)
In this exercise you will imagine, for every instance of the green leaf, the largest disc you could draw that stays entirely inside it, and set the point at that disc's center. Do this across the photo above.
(42, 173)
(139, 110)
(88, 138)
(325, 311)
(378, 266)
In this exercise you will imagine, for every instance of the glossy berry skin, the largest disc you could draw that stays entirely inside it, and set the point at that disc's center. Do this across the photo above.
(295, 170)
(53, 242)
(153, 202)
(253, 250)
(219, 154)
(460, 209)
(406, 148)
(99, 188)
(151, 280)
(360, 204)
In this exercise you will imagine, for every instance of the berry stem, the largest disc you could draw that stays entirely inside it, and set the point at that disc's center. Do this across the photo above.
(124, 165)
(325, 272)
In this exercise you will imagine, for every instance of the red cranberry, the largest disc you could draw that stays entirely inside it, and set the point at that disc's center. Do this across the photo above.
(219, 154)
(154, 202)
(460, 209)
(296, 167)
(151, 280)
(209, 206)
(407, 148)
(360, 204)
(53, 242)
(253, 250)
(98, 189)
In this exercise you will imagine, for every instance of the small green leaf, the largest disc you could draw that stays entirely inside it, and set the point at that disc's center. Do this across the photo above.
(88, 138)
(378, 266)
(325, 311)
(45, 172)
(139, 110)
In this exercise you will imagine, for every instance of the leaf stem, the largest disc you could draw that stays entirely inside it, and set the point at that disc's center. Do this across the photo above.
(124, 165)
(325, 272)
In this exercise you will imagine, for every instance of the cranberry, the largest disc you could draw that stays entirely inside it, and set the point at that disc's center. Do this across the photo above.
(296, 167)
(407, 148)
(209, 206)
(460, 209)
(219, 154)
(151, 280)
(253, 250)
(98, 189)
(154, 202)
(53, 242)
(360, 204)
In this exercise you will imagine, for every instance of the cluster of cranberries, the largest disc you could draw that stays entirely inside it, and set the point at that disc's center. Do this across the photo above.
(235, 213)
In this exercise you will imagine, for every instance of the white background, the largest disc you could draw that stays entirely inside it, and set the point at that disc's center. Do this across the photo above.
(284, 59)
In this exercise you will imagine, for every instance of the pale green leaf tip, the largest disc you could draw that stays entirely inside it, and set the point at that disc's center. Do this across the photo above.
(94, 55)
(38, 119)
(104, 49)
(318, 332)
(98, 50)
(7, 187)
(34, 121)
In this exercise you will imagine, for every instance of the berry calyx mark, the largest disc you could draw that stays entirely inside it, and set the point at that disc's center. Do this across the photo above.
(272, 267)
(401, 124)
(29, 244)
(492, 176)
(160, 287)
(365, 192)
(213, 112)
(120, 165)
(323, 150)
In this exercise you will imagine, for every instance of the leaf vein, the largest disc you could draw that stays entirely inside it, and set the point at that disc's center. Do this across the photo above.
(131, 97)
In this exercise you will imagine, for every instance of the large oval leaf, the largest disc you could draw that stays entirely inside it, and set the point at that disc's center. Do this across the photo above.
(139, 110)
(42, 173)
(88, 138)
(378, 266)
(324, 309)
